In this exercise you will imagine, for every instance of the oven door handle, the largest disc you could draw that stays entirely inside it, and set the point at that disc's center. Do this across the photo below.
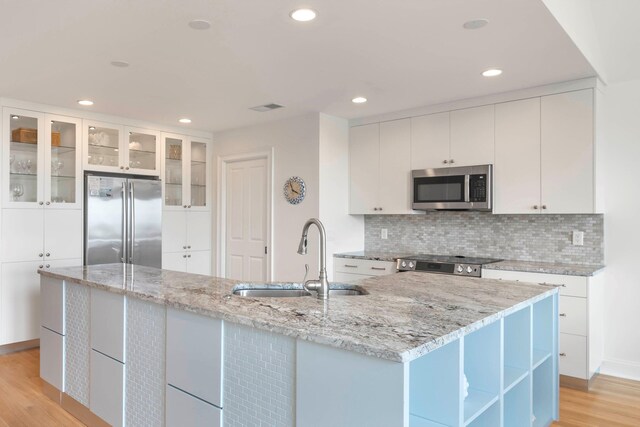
(466, 188)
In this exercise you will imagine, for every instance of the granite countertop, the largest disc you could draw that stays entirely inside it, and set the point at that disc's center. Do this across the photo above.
(403, 316)
(545, 267)
(374, 256)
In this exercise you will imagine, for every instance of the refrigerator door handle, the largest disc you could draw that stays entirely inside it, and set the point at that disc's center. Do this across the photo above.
(123, 256)
(132, 223)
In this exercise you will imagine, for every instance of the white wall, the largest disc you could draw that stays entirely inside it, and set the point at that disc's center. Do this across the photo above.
(344, 232)
(618, 131)
(295, 145)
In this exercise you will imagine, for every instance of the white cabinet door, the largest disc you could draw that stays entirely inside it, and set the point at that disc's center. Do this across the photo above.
(364, 168)
(395, 167)
(176, 261)
(573, 355)
(20, 302)
(104, 149)
(199, 262)
(187, 411)
(22, 231)
(142, 153)
(517, 160)
(194, 355)
(52, 358)
(567, 152)
(107, 389)
(472, 136)
(174, 230)
(52, 304)
(62, 162)
(198, 230)
(107, 323)
(430, 141)
(573, 315)
(62, 234)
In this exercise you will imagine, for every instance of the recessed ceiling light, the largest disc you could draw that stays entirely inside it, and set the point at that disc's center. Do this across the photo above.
(92, 128)
(492, 72)
(15, 117)
(475, 24)
(359, 100)
(185, 120)
(303, 15)
(85, 102)
(200, 24)
(120, 64)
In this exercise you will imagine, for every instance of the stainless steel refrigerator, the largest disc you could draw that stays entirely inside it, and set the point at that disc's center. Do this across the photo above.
(122, 220)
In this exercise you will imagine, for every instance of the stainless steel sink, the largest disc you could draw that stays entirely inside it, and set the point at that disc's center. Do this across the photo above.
(292, 290)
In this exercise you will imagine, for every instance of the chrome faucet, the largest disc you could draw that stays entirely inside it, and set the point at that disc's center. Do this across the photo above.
(321, 285)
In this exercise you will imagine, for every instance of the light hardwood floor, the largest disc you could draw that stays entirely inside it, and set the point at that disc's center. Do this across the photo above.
(612, 402)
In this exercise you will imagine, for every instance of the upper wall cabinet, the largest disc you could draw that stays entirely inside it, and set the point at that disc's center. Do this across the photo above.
(456, 138)
(380, 168)
(41, 160)
(187, 171)
(544, 158)
(117, 149)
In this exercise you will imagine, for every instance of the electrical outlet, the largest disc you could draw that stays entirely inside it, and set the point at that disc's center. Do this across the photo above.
(383, 233)
(578, 238)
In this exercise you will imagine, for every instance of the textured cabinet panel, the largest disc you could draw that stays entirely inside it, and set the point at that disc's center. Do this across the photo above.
(194, 355)
(187, 411)
(107, 323)
(52, 358)
(107, 389)
(52, 304)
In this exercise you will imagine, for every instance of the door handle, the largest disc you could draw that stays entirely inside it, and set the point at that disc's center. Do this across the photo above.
(123, 248)
(132, 223)
(379, 268)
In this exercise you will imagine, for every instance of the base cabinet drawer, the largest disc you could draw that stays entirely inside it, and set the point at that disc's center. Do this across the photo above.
(363, 266)
(573, 356)
(184, 410)
(106, 394)
(107, 323)
(52, 304)
(52, 358)
(573, 315)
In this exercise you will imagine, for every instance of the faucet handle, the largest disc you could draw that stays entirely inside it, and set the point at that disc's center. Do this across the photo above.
(306, 272)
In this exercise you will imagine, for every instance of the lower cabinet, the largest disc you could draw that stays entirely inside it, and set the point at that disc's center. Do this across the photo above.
(352, 270)
(196, 262)
(184, 410)
(52, 358)
(107, 389)
(20, 302)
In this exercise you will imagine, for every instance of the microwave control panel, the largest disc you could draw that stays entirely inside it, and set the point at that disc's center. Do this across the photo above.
(478, 188)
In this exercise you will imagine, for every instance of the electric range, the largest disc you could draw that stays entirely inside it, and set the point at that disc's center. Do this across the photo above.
(444, 264)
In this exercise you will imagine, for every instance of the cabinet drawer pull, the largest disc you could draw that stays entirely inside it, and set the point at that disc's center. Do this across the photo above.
(563, 285)
(379, 268)
(40, 266)
(535, 207)
(48, 265)
(544, 206)
(563, 354)
(445, 161)
(563, 314)
(350, 266)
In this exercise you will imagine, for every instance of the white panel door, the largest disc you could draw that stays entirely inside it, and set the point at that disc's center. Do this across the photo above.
(176, 261)
(517, 160)
(472, 136)
(20, 302)
(567, 152)
(107, 389)
(62, 234)
(52, 304)
(107, 323)
(187, 411)
(22, 234)
(174, 230)
(395, 167)
(430, 141)
(199, 262)
(364, 168)
(246, 220)
(52, 358)
(573, 355)
(199, 230)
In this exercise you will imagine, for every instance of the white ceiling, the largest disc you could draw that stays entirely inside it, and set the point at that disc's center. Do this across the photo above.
(399, 54)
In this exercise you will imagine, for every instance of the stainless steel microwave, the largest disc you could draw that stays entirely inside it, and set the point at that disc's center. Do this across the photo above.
(458, 188)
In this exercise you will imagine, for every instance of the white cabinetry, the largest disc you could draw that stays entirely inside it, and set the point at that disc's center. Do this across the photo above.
(580, 321)
(380, 168)
(430, 137)
(472, 136)
(107, 389)
(545, 155)
(186, 238)
(52, 332)
(351, 270)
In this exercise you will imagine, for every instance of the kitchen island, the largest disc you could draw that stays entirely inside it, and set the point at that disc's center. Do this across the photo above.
(184, 349)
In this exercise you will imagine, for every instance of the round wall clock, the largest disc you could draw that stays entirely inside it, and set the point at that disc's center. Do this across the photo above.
(294, 190)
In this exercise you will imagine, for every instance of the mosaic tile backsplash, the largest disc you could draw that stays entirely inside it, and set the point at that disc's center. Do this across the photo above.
(543, 238)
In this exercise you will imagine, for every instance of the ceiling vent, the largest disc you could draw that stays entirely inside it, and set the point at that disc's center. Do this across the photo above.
(266, 107)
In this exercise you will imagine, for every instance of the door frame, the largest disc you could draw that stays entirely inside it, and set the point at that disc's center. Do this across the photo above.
(221, 211)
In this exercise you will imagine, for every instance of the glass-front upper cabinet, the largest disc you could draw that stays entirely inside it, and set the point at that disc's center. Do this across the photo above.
(41, 160)
(118, 149)
(186, 172)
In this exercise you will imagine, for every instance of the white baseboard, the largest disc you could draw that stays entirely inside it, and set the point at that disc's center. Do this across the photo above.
(621, 368)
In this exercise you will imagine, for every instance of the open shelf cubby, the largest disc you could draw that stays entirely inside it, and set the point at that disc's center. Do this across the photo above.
(544, 394)
(517, 347)
(482, 368)
(543, 331)
(488, 418)
(435, 387)
(517, 403)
